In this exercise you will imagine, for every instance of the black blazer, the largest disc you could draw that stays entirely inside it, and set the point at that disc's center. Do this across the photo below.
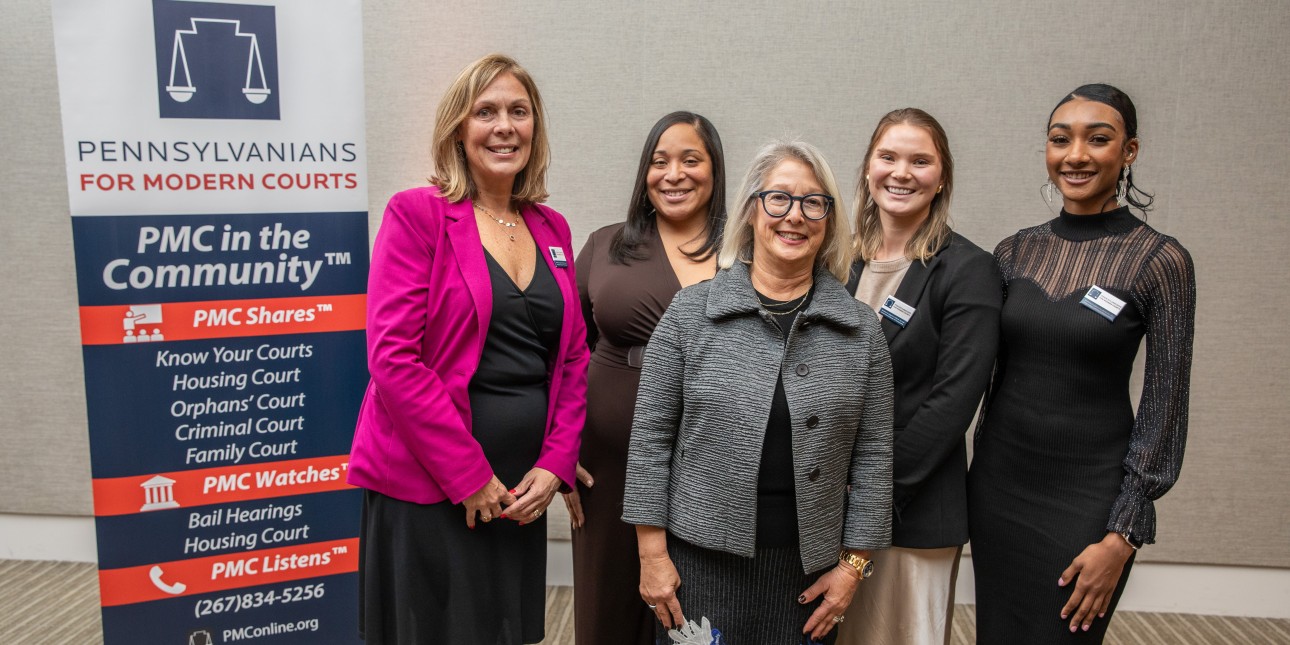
(941, 364)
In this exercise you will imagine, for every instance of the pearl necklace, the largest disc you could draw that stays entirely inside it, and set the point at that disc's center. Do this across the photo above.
(504, 223)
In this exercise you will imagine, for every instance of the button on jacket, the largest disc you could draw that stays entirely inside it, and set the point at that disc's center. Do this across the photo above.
(706, 390)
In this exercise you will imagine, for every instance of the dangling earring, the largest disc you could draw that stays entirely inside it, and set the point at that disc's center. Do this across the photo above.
(1122, 186)
(1046, 191)
(938, 189)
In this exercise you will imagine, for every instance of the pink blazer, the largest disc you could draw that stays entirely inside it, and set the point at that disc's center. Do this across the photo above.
(429, 300)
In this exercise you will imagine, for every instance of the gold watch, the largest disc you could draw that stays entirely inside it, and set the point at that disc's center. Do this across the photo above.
(863, 566)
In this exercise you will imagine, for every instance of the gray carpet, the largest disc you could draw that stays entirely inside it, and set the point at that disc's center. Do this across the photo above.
(57, 602)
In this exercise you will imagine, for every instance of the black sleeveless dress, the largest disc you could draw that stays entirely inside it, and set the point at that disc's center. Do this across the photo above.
(438, 581)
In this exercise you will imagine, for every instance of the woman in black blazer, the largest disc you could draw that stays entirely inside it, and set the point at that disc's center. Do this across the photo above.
(938, 297)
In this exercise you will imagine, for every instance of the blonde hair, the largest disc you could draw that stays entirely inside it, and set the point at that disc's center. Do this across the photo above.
(935, 230)
(451, 173)
(737, 241)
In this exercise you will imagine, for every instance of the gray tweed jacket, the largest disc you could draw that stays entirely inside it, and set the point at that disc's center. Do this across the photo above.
(706, 389)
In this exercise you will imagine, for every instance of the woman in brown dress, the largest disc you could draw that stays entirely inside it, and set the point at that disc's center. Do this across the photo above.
(627, 275)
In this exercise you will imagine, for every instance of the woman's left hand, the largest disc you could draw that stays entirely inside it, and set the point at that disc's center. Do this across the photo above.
(1098, 569)
(838, 586)
(533, 494)
(573, 499)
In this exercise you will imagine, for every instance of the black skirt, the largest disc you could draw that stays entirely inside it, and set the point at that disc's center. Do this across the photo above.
(750, 601)
(424, 576)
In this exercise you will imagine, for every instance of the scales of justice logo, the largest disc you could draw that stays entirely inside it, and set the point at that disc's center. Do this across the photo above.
(216, 61)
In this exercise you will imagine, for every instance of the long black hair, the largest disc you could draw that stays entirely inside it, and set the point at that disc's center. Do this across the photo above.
(628, 244)
(1120, 102)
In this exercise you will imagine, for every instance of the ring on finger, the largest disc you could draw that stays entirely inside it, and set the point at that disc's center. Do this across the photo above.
(839, 618)
(486, 517)
(651, 606)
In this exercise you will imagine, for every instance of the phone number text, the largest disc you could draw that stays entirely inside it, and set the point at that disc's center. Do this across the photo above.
(251, 600)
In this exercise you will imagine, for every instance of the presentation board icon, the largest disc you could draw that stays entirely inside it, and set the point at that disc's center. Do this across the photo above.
(216, 60)
(140, 324)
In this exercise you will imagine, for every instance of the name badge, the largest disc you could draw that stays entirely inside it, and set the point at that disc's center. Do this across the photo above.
(1102, 303)
(557, 256)
(896, 311)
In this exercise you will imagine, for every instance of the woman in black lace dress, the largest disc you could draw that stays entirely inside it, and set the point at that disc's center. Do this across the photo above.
(1064, 475)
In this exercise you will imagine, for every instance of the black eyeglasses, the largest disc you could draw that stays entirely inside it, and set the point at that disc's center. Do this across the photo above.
(777, 203)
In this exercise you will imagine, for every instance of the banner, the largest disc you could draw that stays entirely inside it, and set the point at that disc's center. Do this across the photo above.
(218, 191)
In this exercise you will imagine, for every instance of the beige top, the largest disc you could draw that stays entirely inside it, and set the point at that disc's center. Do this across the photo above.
(879, 280)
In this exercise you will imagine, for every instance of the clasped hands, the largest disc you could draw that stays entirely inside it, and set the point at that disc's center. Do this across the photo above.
(524, 503)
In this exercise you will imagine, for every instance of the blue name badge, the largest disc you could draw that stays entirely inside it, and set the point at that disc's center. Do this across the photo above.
(557, 256)
(896, 311)
(1102, 303)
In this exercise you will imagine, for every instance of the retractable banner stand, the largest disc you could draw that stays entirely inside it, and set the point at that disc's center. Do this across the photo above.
(217, 177)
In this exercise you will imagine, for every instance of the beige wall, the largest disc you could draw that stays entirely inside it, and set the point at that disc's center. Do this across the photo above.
(1210, 79)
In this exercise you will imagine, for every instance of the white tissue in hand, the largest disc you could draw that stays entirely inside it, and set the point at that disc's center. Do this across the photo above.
(696, 634)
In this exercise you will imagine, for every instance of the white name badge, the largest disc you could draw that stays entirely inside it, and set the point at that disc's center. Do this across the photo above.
(896, 311)
(557, 256)
(1102, 303)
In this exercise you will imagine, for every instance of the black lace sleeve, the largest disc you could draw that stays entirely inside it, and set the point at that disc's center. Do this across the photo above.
(1165, 292)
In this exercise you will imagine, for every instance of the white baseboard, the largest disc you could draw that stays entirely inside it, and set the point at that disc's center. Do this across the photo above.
(48, 537)
(559, 563)
(1177, 588)
(1186, 589)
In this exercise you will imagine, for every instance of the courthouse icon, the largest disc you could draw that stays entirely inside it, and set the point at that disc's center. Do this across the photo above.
(158, 493)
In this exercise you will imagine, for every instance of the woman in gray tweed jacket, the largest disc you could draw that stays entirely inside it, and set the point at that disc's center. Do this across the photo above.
(759, 467)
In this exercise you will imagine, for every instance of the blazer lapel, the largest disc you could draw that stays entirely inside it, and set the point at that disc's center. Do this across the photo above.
(910, 292)
(545, 239)
(468, 249)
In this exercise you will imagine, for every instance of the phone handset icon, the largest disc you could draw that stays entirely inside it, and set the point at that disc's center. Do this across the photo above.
(174, 590)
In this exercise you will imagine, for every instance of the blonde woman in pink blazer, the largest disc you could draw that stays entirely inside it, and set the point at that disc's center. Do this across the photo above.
(477, 349)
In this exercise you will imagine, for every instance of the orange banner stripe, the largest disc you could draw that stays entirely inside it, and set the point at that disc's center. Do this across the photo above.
(229, 571)
(106, 325)
(200, 487)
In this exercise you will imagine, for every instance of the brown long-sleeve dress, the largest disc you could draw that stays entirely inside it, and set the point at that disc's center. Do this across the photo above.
(622, 304)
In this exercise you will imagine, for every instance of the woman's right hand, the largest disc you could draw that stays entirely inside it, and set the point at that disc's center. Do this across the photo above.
(659, 582)
(659, 579)
(573, 501)
(487, 502)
